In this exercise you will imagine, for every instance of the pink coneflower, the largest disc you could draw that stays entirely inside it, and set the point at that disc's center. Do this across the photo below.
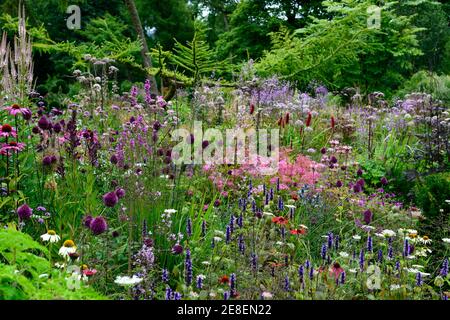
(336, 270)
(89, 272)
(12, 146)
(15, 109)
(7, 130)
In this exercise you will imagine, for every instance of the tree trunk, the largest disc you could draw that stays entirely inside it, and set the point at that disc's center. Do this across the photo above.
(131, 5)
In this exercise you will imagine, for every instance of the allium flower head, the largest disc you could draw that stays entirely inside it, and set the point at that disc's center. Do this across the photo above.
(24, 212)
(98, 225)
(110, 199)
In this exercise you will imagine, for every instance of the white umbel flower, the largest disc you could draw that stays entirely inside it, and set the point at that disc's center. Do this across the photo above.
(50, 236)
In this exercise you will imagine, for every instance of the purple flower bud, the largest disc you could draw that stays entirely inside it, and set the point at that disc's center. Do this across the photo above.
(177, 249)
(367, 216)
(384, 181)
(24, 212)
(43, 123)
(110, 199)
(120, 193)
(359, 173)
(339, 184)
(98, 225)
(87, 221)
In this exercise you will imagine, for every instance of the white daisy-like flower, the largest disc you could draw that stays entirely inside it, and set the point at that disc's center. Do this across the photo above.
(303, 226)
(356, 237)
(170, 211)
(412, 232)
(353, 270)
(395, 287)
(50, 236)
(206, 263)
(127, 281)
(219, 233)
(388, 233)
(446, 240)
(416, 271)
(67, 248)
(268, 214)
(290, 206)
(368, 228)
(424, 240)
(344, 254)
(217, 239)
(379, 235)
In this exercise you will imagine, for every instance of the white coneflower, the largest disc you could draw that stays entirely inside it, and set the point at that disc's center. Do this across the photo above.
(170, 211)
(446, 240)
(50, 236)
(127, 281)
(356, 237)
(353, 270)
(290, 206)
(343, 254)
(425, 240)
(217, 239)
(67, 248)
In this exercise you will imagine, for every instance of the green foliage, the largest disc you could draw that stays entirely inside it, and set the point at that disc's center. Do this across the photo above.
(172, 19)
(344, 51)
(431, 83)
(26, 274)
(431, 195)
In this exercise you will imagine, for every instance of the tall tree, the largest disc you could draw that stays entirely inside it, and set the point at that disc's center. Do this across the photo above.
(131, 5)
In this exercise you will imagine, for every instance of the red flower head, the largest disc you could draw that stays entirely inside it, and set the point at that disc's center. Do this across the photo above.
(308, 120)
(224, 279)
(280, 220)
(298, 231)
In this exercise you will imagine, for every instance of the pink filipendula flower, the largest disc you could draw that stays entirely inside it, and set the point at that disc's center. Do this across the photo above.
(7, 130)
